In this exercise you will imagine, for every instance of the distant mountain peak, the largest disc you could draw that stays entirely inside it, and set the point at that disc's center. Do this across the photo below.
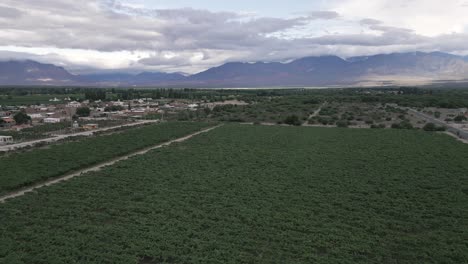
(308, 71)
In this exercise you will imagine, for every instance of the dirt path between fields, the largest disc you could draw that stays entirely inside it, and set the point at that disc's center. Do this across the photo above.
(99, 166)
(316, 112)
(56, 138)
(456, 137)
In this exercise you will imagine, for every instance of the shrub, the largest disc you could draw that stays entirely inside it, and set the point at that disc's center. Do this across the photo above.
(460, 118)
(342, 123)
(293, 120)
(402, 125)
(430, 127)
(83, 111)
(379, 126)
(21, 118)
(433, 127)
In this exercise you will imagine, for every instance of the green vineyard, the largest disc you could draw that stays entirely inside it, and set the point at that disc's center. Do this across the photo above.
(255, 194)
(22, 169)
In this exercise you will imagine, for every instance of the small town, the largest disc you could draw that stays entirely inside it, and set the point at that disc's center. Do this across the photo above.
(69, 116)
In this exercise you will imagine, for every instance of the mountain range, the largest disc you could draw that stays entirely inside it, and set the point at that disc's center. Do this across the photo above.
(382, 69)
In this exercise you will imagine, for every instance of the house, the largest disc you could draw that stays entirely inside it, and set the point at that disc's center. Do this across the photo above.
(137, 112)
(90, 126)
(74, 104)
(52, 120)
(6, 140)
(8, 122)
(36, 116)
(118, 103)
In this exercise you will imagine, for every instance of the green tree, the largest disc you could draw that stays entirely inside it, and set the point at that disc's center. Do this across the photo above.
(293, 120)
(430, 127)
(21, 118)
(342, 123)
(433, 127)
(83, 111)
(460, 118)
(402, 125)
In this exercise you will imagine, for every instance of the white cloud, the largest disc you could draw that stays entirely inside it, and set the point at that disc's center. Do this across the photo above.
(107, 34)
(425, 17)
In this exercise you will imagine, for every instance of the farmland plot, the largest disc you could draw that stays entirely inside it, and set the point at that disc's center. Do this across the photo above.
(22, 169)
(259, 195)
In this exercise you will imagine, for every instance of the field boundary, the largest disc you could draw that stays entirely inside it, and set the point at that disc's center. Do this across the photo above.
(56, 138)
(99, 166)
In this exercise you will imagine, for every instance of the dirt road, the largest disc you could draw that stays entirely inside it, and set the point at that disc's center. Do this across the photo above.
(314, 114)
(99, 166)
(460, 133)
(60, 137)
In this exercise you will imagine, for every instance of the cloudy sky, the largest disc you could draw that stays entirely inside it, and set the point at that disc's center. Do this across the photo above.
(193, 35)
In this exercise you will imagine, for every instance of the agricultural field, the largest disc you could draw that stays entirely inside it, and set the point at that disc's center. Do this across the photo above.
(22, 169)
(256, 194)
(35, 99)
(45, 130)
(363, 115)
(257, 109)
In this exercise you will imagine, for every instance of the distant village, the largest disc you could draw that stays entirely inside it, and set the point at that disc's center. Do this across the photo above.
(86, 114)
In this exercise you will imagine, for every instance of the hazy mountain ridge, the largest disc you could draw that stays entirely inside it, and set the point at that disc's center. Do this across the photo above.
(32, 72)
(308, 71)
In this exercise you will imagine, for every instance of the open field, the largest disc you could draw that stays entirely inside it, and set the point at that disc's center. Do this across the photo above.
(22, 169)
(35, 99)
(256, 194)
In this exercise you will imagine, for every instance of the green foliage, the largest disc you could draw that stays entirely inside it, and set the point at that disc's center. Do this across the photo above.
(83, 111)
(326, 120)
(402, 125)
(22, 169)
(328, 111)
(256, 194)
(433, 127)
(379, 126)
(460, 118)
(293, 120)
(21, 118)
(95, 94)
(342, 123)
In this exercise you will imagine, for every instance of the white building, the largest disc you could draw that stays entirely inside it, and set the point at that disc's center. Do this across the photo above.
(5, 140)
(74, 104)
(118, 103)
(51, 120)
(36, 116)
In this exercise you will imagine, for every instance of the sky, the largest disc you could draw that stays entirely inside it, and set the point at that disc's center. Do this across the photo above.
(190, 36)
